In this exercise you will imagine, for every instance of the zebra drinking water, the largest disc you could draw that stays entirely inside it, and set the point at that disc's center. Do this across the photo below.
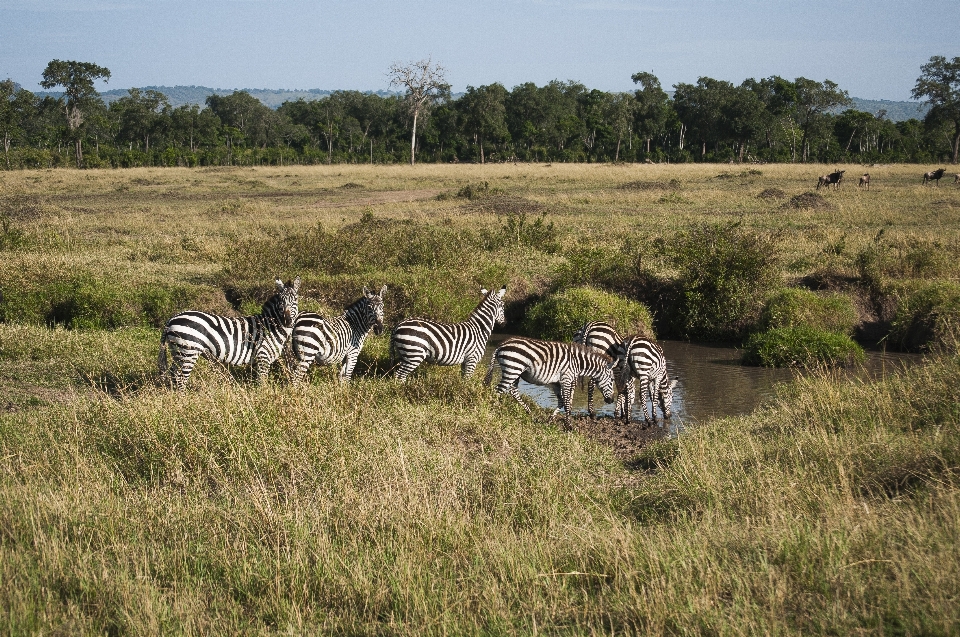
(644, 361)
(605, 339)
(257, 339)
(550, 363)
(317, 340)
(416, 340)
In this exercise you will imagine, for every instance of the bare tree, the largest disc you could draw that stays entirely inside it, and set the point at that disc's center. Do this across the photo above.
(425, 83)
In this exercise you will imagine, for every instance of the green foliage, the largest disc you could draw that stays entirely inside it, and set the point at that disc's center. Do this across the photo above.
(725, 273)
(478, 190)
(540, 235)
(88, 301)
(559, 315)
(927, 317)
(800, 346)
(793, 307)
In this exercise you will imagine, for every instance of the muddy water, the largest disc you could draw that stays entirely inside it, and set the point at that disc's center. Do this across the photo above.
(710, 381)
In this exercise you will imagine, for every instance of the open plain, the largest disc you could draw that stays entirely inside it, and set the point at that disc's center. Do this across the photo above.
(434, 507)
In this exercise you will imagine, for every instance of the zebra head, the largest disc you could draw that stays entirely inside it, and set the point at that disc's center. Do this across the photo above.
(665, 395)
(374, 309)
(283, 304)
(604, 377)
(495, 301)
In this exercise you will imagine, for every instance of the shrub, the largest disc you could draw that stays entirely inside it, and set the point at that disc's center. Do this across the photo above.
(927, 318)
(793, 307)
(559, 315)
(800, 346)
(725, 274)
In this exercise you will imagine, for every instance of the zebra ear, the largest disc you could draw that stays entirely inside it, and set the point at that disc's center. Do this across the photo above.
(484, 291)
(502, 291)
(280, 285)
(366, 292)
(383, 290)
(673, 383)
(296, 284)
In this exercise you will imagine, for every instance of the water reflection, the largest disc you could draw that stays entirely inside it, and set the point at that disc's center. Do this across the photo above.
(711, 381)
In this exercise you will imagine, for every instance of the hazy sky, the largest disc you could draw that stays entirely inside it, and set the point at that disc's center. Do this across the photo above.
(873, 49)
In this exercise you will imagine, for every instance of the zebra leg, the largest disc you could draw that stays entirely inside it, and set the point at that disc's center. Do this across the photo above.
(566, 392)
(407, 365)
(469, 365)
(629, 397)
(299, 371)
(590, 410)
(183, 362)
(349, 362)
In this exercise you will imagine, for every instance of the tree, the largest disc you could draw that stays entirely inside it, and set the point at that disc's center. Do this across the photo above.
(484, 114)
(813, 100)
(939, 83)
(653, 107)
(426, 85)
(77, 80)
(16, 109)
(142, 113)
(619, 115)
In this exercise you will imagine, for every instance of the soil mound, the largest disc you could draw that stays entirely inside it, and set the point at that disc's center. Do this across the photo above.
(772, 193)
(809, 201)
(673, 184)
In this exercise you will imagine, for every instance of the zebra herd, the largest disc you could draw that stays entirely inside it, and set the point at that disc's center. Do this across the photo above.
(609, 361)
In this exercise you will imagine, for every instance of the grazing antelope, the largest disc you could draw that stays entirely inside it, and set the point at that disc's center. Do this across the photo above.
(833, 178)
(934, 175)
(864, 181)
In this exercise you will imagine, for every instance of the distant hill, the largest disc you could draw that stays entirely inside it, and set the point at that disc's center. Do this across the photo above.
(895, 111)
(179, 95)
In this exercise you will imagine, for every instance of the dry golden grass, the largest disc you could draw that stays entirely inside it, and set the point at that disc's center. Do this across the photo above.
(434, 508)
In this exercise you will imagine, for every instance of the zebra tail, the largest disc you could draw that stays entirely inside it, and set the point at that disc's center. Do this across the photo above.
(162, 357)
(489, 376)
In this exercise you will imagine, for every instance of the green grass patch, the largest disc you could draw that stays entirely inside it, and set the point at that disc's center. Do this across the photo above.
(800, 346)
(792, 307)
(559, 315)
(927, 317)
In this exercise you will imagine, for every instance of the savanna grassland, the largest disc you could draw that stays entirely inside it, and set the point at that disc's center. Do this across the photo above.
(433, 507)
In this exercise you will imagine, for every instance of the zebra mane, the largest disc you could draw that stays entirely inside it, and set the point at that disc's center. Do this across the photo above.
(590, 352)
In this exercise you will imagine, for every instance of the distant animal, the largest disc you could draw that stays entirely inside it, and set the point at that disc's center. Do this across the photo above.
(257, 339)
(416, 340)
(603, 338)
(833, 179)
(864, 181)
(645, 362)
(934, 175)
(956, 178)
(317, 340)
(558, 365)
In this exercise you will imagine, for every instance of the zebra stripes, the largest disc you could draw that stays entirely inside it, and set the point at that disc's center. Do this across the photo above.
(605, 339)
(317, 340)
(416, 340)
(550, 363)
(235, 341)
(644, 361)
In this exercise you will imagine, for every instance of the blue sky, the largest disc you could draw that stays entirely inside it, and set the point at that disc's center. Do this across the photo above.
(872, 49)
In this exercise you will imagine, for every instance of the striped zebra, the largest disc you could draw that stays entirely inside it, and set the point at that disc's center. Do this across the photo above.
(604, 338)
(257, 339)
(317, 340)
(559, 365)
(644, 361)
(416, 340)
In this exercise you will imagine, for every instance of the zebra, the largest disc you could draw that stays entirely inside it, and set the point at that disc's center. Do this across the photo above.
(644, 360)
(257, 339)
(550, 363)
(416, 340)
(317, 340)
(604, 338)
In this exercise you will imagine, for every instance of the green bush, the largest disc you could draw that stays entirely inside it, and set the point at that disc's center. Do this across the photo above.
(927, 317)
(559, 315)
(792, 307)
(725, 273)
(87, 301)
(800, 346)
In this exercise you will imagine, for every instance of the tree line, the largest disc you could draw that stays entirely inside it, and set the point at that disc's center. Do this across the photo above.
(759, 120)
